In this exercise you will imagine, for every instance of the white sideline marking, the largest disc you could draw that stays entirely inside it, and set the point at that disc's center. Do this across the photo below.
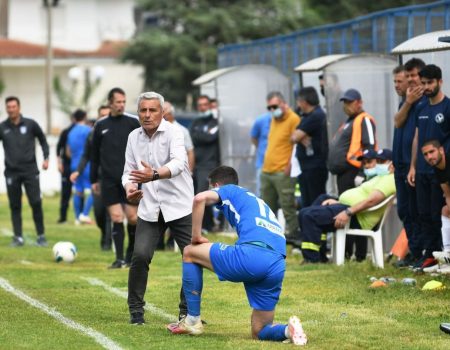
(149, 307)
(6, 232)
(98, 337)
(26, 262)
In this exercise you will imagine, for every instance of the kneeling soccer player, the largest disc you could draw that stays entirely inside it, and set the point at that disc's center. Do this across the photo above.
(257, 259)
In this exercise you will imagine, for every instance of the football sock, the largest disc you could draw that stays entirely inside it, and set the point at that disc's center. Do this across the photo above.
(192, 286)
(88, 204)
(118, 236)
(446, 233)
(191, 320)
(77, 204)
(274, 332)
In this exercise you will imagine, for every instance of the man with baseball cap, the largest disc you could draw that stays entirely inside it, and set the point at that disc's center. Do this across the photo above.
(328, 214)
(356, 134)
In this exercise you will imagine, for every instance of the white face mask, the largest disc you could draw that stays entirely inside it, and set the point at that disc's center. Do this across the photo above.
(277, 113)
(383, 169)
(369, 173)
(206, 113)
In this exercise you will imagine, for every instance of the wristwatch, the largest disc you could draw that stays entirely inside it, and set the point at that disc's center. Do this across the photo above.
(155, 175)
(348, 212)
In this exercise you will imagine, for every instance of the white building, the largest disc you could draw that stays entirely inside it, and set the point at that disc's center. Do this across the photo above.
(87, 34)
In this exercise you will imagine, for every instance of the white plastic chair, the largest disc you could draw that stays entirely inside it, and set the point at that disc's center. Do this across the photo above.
(376, 236)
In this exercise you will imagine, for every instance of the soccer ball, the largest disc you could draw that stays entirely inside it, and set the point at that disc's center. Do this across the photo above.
(64, 251)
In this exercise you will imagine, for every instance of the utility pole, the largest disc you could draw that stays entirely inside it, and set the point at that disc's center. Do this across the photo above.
(49, 64)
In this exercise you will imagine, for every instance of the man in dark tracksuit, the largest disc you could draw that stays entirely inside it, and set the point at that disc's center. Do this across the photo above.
(109, 142)
(205, 137)
(353, 137)
(64, 169)
(18, 135)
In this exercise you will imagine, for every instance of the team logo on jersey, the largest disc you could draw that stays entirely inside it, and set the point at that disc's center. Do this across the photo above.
(439, 118)
(223, 246)
(23, 129)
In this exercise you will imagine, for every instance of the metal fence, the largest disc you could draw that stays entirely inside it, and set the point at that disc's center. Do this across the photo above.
(377, 32)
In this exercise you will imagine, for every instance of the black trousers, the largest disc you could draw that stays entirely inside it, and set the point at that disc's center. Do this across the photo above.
(346, 181)
(14, 184)
(312, 183)
(147, 237)
(103, 221)
(430, 201)
(66, 192)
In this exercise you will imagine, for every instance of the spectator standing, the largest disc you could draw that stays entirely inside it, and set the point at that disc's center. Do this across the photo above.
(412, 97)
(156, 160)
(19, 135)
(311, 137)
(169, 115)
(432, 122)
(352, 138)
(108, 154)
(76, 140)
(204, 131)
(259, 135)
(277, 187)
(64, 169)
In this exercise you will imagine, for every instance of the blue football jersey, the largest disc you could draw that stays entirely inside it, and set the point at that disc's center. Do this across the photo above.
(251, 217)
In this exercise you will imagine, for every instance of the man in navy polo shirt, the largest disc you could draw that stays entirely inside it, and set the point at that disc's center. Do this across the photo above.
(432, 122)
(405, 127)
(311, 138)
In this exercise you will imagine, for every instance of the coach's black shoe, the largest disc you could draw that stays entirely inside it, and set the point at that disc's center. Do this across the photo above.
(137, 318)
(41, 241)
(118, 264)
(17, 241)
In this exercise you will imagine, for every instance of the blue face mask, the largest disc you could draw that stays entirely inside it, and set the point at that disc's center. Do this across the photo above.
(277, 113)
(383, 169)
(369, 173)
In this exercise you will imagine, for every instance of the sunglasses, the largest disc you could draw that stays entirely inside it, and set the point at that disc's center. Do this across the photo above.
(272, 107)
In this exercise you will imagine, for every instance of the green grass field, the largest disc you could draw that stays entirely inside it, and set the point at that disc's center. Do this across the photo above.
(337, 308)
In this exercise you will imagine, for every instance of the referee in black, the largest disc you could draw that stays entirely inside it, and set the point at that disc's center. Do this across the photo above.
(18, 135)
(109, 142)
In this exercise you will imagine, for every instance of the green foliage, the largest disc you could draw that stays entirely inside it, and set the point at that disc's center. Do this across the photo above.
(183, 45)
(332, 11)
(337, 308)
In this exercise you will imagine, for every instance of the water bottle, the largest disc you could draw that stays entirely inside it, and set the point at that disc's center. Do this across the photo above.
(309, 150)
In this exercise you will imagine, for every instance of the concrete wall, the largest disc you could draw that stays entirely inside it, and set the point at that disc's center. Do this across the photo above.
(77, 24)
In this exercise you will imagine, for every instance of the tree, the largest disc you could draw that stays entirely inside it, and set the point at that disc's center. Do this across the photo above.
(183, 43)
(332, 11)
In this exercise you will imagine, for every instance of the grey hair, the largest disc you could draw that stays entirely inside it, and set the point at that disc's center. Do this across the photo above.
(276, 94)
(171, 109)
(151, 95)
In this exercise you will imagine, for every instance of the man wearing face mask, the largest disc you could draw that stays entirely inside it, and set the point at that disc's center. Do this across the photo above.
(328, 214)
(204, 132)
(311, 139)
(277, 187)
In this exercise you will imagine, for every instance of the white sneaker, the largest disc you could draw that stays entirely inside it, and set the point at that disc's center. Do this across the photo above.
(443, 257)
(296, 334)
(444, 269)
(430, 269)
(84, 219)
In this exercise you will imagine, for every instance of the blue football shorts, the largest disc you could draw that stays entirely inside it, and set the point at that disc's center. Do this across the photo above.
(260, 269)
